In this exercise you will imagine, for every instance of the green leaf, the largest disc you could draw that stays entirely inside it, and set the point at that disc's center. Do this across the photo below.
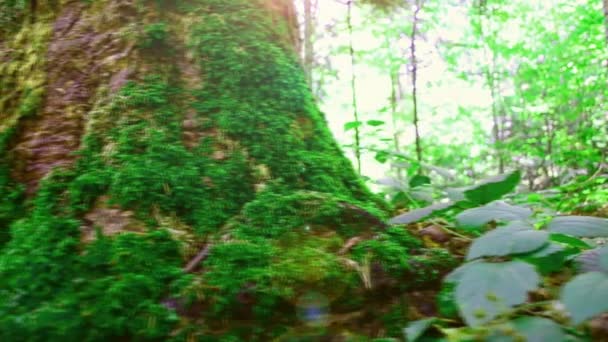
(549, 249)
(595, 260)
(458, 272)
(375, 123)
(548, 259)
(443, 172)
(419, 214)
(392, 182)
(586, 296)
(529, 329)
(352, 125)
(493, 188)
(422, 193)
(579, 226)
(382, 156)
(415, 329)
(455, 194)
(496, 211)
(539, 329)
(486, 290)
(569, 241)
(419, 180)
(515, 238)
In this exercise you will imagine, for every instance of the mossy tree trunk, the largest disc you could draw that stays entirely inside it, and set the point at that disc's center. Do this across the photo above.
(135, 134)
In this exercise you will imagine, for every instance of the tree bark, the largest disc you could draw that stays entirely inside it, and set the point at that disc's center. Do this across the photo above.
(308, 41)
(414, 69)
(353, 86)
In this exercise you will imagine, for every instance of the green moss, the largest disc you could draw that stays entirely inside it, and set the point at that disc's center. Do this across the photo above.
(395, 320)
(276, 211)
(110, 289)
(31, 101)
(11, 13)
(24, 76)
(401, 256)
(255, 91)
(261, 283)
(446, 301)
(148, 166)
(154, 36)
(392, 249)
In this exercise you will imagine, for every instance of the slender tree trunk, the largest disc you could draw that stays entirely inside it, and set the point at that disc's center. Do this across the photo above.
(414, 70)
(489, 73)
(395, 85)
(308, 41)
(353, 85)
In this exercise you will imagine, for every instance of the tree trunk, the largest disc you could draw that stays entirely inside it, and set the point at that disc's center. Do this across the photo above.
(309, 57)
(414, 69)
(141, 141)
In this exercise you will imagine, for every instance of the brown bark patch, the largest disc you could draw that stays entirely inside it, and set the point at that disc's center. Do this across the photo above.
(84, 54)
(109, 220)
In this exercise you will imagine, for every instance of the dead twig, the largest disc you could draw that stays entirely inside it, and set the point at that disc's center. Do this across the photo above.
(198, 258)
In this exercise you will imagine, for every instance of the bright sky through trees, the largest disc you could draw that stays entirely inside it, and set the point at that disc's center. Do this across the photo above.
(442, 93)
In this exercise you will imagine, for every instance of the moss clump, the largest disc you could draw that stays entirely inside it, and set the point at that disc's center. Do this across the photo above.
(154, 36)
(392, 249)
(54, 289)
(282, 246)
(148, 166)
(395, 319)
(278, 210)
(23, 77)
(11, 14)
(401, 256)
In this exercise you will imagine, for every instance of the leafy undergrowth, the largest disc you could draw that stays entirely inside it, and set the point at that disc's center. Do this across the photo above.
(529, 273)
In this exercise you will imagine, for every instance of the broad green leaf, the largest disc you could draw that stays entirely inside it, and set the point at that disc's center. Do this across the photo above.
(595, 260)
(381, 156)
(539, 329)
(486, 290)
(579, 226)
(443, 172)
(569, 241)
(458, 272)
(529, 329)
(586, 296)
(493, 188)
(419, 180)
(422, 193)
(550, 258)
(549, 249)
(375, 123)
(415, 329)
(515, 238)
(495, 211)
(392, 183)
(352, 125)
(419, 214)
(455, 194)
